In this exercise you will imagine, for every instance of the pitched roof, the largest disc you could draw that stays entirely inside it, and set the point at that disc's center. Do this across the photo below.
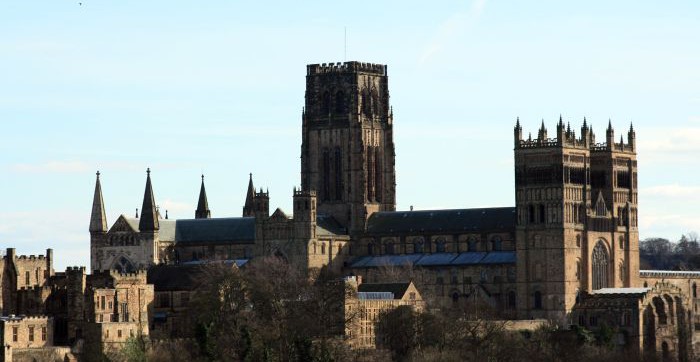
(327, 225)
(230, 230)
(436, 259)
(398, 289)
(497, 218)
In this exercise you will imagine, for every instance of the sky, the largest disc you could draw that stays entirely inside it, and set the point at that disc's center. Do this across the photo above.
(217, 88)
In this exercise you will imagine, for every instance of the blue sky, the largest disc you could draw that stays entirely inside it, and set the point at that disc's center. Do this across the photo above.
(217, 87)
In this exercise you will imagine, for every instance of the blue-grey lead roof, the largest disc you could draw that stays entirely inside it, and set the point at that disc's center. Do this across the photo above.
(229, 230)
(436, 259)
(495, 218)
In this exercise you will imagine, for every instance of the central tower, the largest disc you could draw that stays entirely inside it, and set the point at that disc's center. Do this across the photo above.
(347, 150)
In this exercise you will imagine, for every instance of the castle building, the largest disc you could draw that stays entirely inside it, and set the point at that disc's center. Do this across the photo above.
(566, 251)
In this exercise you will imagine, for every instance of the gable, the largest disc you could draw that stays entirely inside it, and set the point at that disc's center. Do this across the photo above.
(123, 225)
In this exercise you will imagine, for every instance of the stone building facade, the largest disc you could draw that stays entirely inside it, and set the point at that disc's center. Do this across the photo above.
(567, 250)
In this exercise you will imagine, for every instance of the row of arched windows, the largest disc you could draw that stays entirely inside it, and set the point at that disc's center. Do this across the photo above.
(441, 245)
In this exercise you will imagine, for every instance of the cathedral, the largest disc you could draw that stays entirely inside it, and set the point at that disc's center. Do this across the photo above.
(566, 251)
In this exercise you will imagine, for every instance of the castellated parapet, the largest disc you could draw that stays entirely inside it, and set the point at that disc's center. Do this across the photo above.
(566, 137)
(346, 67)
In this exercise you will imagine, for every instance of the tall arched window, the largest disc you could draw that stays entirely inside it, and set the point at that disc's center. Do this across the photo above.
(338, 168)
(538, 300)
(326, 103)
(496, 243)
(440, 245)
(511, 300)
(326, 175)
(377, 175)
(471, 244)
(323, 248)
(340, 103)
(389, 247)
(370, 249)
(600, 266)
(418, 245)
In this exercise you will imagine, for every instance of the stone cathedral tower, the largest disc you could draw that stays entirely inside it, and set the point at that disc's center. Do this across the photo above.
(347, 151)
(576, 227)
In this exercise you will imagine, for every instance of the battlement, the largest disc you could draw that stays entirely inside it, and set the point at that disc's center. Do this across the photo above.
(302, 193)
(140, 274)
(35, 288)
(566, 138)
(75, 269)
(346, 67)
(12, 319)
(11, 253)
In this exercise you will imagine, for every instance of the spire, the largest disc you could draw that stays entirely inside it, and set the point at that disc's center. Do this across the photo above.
(517, 123)
(610, 135)
(202, 206)
(248, 209)
(137, 213)
(517, 132)
(632, 138)
(98, 220)
(149, 213)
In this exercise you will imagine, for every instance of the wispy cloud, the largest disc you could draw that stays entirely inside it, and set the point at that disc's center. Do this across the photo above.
(451, 27)
(674, 139)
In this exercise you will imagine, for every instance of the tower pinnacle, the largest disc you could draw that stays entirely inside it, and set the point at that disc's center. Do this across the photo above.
(149, 213)
(98, 220)
(202, 211)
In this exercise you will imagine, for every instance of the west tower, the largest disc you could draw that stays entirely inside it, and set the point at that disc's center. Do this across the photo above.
(347, 151)
(576, 230)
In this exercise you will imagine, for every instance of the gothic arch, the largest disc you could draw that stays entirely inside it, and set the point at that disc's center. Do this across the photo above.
(123, 265)
(600, 266)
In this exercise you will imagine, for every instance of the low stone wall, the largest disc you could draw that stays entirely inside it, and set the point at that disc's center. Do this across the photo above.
(529, 324)
(39, 354)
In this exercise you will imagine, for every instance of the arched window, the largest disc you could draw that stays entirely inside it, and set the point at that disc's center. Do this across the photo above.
(389, 247)
(695, 290)
(340, 103)
(338, 166)
(538, 300)
(315, 250)
(622, 243)
(323, 248)
(600, 266)
(578, 241)
(326, 176)
(471, 244)
(455, 298)
(326, 103)
(377, 175)
(123, 265)
(418, 245)
(511, 300)
(578, 269)
(496, 243)
(440, 245)
(370, 249)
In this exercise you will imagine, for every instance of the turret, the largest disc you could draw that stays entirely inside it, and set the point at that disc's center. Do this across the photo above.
(610, 136)
(632, 138)
(261, 204)
(98, 220)
(248, 209)
(542, 133)
(517, 132)
(149, 212)
(561, 133)
(202, 211)
(304, 213)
